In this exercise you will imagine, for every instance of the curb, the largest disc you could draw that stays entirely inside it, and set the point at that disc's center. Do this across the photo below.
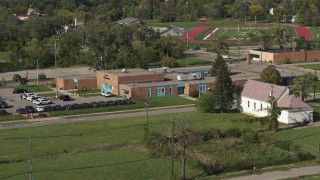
(93, 114)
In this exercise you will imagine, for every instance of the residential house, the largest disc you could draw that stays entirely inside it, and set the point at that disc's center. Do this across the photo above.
(255, 96)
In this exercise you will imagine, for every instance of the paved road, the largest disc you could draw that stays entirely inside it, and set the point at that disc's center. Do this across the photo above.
(294, 172)
(113, 115)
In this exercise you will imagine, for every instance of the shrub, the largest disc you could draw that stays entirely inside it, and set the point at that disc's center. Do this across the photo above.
(250, 137)
(287, 61)
(212, 168)
(42, 77)
(16, 77)
(232, 132)
(194, 93)
(206, 103)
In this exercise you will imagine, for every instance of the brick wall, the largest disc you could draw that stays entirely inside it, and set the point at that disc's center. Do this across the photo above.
(293, 56)
(66, 84)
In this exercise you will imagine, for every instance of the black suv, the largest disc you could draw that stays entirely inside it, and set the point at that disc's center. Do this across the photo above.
(64, 97)
(3, 112)
(18, 91)
(3, 104)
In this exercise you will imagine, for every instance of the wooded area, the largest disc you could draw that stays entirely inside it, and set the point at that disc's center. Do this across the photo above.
(104, 44)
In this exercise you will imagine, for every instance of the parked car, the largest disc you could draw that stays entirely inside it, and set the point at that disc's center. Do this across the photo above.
(32, 97)
(128, 101)
(57, 108)
(196, 48)
(25, 95)
(67, 107)
(48, 108)
(39, 108)
(18, 91)
(76, 106)
(21, 110)
(36, 99)
(42, 101)
(64, 97)
(106, 94)
(3, 104)
(3, 112)
(84, 105)
(94, 104)
(30, 109)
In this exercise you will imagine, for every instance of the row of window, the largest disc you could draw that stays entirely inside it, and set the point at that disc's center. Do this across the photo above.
(255, 106)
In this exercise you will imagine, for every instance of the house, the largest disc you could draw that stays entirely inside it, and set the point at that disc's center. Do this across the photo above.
(130, 21)
(255, 96)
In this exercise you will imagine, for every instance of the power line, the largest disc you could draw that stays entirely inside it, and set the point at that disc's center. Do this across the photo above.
(80, 168)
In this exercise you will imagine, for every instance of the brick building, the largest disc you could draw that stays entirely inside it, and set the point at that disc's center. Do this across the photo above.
(141, 84)
(279, 57)
(77, 82)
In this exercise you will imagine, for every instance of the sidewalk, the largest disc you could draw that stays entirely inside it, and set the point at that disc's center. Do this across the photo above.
(188, 97)
(291, 173)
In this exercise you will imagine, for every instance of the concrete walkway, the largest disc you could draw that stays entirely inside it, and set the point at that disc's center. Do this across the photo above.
(292, 173)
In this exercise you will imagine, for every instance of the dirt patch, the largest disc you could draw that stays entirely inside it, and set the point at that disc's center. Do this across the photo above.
(111, 147)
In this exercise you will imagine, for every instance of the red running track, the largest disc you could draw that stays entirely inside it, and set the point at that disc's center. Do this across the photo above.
(190, 35)
(303, 31)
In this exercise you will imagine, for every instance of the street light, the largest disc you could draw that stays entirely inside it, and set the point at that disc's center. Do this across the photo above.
(147, 110)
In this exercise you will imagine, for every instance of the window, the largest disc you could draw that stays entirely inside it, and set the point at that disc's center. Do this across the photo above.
(202, 89)
(170, 90)
(149, 92)
(254, 105)
(160, 91)
(260, 107)
(248, 103)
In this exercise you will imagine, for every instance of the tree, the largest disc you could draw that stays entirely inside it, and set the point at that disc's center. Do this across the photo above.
(220, 46)
(307, 80)
(169, 62)
(223, 93)
(273, 114)
(270, 75)
(206, 103)
(185, 139)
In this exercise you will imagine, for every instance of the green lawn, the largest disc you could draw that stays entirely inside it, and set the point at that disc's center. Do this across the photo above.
(193, 61)
(315, 31)
(113, 149)
(117, 141)
(310, 66)
(190, 61)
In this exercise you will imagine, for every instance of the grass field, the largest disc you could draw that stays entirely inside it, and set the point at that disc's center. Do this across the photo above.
(190, 61)
(310, 66)
(117, 141)
(193, 61)
(113, 149)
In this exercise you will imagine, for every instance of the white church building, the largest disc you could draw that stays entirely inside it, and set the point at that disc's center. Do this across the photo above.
(254, 101)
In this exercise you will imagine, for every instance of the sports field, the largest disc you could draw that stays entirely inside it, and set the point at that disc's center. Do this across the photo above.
(237, 33)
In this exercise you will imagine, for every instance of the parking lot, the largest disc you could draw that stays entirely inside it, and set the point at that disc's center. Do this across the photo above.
(15, 101)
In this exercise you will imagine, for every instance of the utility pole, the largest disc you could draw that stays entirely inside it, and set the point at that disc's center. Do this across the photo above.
(55, 64)
(318, 151)
(172, 149)
(147, 111)
(30, 159)
(188, 48)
